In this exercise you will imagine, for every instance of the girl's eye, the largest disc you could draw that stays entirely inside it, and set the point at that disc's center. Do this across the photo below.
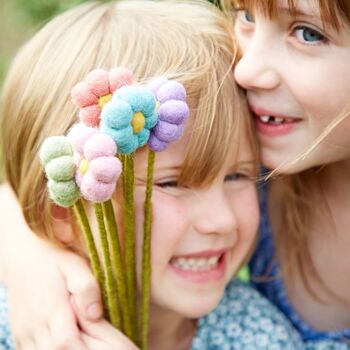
(235, 177)
(166, 184)
(308, 35)
(247, 16)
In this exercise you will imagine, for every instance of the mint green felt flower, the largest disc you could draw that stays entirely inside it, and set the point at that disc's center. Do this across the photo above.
(56, 156)
(129, 116)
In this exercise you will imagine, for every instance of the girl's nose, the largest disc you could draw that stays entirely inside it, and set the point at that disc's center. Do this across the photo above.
(256, 70)
(214, 213)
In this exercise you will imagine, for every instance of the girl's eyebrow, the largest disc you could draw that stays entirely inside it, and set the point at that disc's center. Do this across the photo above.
(243, 162)
(314, 16)
(169, 167)
(297, 11)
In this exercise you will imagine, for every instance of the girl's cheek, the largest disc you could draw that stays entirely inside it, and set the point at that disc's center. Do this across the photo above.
(169, 225)
(247, 208)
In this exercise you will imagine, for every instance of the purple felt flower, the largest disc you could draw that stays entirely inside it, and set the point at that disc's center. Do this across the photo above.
(172, 113)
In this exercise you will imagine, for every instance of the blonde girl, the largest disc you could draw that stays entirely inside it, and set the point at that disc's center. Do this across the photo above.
(204, 198)
(295, 70)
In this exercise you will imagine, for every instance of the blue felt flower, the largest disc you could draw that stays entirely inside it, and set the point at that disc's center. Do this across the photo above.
(129, 116)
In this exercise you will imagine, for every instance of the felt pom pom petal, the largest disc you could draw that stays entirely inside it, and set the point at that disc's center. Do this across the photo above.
(92, 94)
(78, 135)
(96, 191)
(129, 117)
(63, 193)
(98, 169)
(54, 147)
(56, 155)
(172, 111)
(61, 168)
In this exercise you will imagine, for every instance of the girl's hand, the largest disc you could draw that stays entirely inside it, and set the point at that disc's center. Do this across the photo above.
(41, 279)
(101, 335)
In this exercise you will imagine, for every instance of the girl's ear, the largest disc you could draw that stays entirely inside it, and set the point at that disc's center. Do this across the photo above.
(62, 224)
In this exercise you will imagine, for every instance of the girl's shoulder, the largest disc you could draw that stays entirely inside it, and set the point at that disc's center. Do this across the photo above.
(5, 334)
(244, 319)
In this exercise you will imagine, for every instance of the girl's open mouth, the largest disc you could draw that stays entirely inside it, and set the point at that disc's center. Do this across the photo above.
(200, 268)
(271, 125)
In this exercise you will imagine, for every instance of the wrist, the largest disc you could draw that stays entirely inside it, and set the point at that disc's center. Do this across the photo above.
(12, 226)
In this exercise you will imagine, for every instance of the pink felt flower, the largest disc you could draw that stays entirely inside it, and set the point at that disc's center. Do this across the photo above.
(96, 90)
(98, 169)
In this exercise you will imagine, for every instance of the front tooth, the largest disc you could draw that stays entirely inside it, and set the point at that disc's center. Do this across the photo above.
(185, 267)
(278, 120)
(201, 262)
(213, 260)
(191, 262)
(265, 118)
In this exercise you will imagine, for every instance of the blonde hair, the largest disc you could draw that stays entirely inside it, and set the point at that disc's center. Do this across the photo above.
(300, 191)
(191, 42)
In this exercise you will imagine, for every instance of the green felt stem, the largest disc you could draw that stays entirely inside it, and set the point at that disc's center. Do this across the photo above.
(112, 295)
(113, 237)
(130, 260)
(146, 256)
(79, 211)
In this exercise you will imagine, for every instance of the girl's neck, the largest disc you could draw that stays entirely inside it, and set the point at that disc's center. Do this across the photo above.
(328, 240)
(335, 178)
(170, 331)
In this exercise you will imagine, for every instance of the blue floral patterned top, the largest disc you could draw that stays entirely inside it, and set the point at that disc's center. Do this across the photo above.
(264, 263)
(5, 336)
(243, 320)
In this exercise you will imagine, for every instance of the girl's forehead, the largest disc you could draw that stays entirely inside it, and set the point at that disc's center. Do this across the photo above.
(172, 161)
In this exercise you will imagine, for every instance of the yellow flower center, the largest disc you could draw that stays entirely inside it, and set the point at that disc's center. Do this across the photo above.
(103, 100)
(138, 122)
(84, 166)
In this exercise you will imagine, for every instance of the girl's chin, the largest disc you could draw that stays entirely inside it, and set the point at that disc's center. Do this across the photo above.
(194, 309)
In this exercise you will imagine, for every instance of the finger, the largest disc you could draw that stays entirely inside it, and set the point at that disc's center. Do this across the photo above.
(64, 329)
(93, 330)
(92, 343)
(104, 331)
(43, 340)
(111, 344)
(83, 286)
(28, 344)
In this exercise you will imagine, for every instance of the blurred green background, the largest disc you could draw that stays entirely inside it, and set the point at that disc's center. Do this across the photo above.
(19, 19)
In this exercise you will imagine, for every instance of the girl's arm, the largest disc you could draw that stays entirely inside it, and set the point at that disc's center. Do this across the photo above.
(41, 279)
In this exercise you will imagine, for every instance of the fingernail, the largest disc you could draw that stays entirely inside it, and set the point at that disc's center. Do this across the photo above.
(94, 311)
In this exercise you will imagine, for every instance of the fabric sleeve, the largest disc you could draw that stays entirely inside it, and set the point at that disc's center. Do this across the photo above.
(5, 334)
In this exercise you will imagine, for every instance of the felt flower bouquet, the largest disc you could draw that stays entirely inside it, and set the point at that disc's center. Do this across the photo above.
(116, 117)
